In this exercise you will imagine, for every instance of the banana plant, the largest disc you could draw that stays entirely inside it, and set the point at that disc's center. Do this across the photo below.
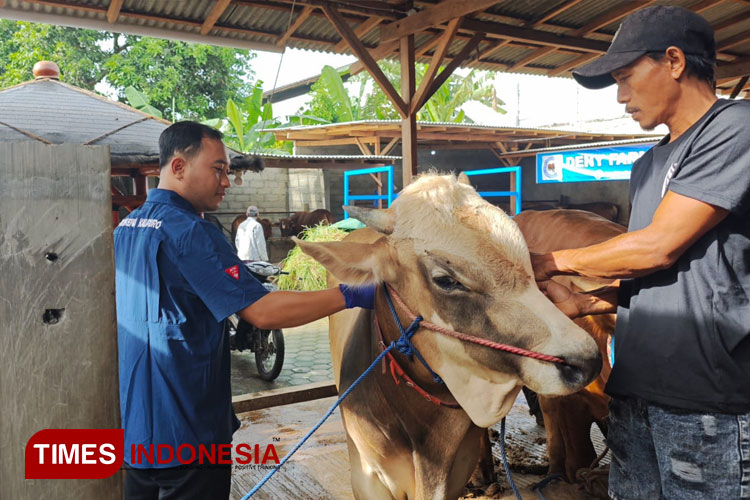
(247, 121)
(140, 101)
(445, 104)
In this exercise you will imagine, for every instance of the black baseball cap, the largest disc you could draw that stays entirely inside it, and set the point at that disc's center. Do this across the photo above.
(653, 29)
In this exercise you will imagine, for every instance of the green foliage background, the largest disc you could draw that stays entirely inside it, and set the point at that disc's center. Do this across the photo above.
(366, 101)
(183, 80)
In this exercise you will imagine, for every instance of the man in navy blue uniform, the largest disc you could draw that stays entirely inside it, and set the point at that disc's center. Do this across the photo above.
(177, 280)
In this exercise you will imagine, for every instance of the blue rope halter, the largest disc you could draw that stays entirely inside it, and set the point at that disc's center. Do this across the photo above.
(403, 344)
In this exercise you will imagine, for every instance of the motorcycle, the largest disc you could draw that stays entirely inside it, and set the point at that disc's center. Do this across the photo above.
(268, 345)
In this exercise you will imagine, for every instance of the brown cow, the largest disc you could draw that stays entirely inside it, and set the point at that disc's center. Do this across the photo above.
(568, 419)
(463, 265)
(298, 221)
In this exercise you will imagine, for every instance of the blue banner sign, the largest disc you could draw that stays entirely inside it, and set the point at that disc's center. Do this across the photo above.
(603, 164)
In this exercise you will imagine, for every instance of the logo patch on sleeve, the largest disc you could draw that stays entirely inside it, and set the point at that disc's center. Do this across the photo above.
(233, 271)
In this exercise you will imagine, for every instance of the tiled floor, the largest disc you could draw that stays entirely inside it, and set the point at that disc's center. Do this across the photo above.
(306, 360)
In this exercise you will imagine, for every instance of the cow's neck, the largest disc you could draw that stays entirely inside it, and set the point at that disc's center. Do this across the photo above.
(413, 368)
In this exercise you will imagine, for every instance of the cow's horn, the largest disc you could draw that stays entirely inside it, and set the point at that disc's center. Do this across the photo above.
(379, 220)
(464, 179)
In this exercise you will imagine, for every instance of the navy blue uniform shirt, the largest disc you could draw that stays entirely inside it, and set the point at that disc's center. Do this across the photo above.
(177, 279)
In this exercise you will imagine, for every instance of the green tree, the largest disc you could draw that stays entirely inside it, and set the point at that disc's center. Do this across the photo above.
(183, 80)
(77, 52)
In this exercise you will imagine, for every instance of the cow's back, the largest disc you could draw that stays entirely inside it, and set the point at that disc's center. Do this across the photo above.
(568, 419)
(560, 229)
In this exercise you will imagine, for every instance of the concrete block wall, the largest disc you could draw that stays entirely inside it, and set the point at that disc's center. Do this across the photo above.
(267, 190)
(306, 190)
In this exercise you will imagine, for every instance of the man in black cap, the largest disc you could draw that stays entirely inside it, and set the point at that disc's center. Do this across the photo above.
(680, 411)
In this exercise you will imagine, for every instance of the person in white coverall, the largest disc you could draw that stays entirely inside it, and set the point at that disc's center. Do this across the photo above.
(250, 240)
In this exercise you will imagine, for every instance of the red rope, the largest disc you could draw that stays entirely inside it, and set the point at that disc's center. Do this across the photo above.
(475, 340)
(397, 371)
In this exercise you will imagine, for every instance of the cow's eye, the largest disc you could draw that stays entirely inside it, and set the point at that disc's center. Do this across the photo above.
(448, 283)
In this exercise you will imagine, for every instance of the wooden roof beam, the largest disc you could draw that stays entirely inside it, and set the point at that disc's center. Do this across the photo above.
(378, 53)
(731, 21)
(739, 87)
(502, 148)
(113, 12)
(427, 46)
(363, 147)
(599, 21)
(448, 70)
(214, 15)
(582, 59)
(554, 11)
(364, 55)
(433, 16)
(610, 16)
(489, 50)
(734, 69)
(437, 59)
(361, 30)
(531, 57)
(390, 145)
(537, 37)
(704, 5)
(301, 18)
(733, 40)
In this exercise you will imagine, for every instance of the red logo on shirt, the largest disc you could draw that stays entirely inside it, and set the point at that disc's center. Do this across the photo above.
(233, 271)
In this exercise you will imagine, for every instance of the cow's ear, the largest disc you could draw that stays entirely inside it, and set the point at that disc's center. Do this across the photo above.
(381, 220)
(354, 263)
(464, 179)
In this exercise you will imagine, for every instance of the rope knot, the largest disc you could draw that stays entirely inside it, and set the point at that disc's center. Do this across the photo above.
(403, 343)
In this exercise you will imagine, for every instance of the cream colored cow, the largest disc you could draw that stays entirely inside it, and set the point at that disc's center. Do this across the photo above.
(462, 264)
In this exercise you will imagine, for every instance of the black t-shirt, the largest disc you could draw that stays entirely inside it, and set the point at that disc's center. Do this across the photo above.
(683, 334)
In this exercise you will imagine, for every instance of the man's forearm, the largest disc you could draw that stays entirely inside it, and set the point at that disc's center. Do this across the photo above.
(629, 255)
(288, 309)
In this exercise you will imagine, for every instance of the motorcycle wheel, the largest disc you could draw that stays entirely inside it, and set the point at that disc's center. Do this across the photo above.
(269, 357)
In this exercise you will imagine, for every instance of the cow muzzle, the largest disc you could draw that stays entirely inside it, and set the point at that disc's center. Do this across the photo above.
(579, 372)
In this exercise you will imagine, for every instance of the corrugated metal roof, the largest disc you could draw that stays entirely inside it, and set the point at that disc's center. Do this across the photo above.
(61, 113)
(261, 24)
(446, 125)
(247, 23)
(588, 145)
(329, 157)
(50, 111)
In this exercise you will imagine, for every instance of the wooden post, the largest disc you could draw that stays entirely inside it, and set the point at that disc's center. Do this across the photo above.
(140, 185)
(513, 199)
(380, 190)
(409, 122)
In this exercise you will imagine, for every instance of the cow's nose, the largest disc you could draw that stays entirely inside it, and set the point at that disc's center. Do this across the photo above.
(579, 372)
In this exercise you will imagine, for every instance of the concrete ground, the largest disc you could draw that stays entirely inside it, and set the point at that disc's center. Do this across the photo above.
(321, 469)
(307, 359)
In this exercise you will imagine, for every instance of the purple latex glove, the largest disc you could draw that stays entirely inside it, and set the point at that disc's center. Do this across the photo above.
(358, 296)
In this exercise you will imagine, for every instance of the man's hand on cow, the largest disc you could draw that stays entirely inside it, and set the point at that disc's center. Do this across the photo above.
(563, 297)
(543, 265)
(358, 296)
